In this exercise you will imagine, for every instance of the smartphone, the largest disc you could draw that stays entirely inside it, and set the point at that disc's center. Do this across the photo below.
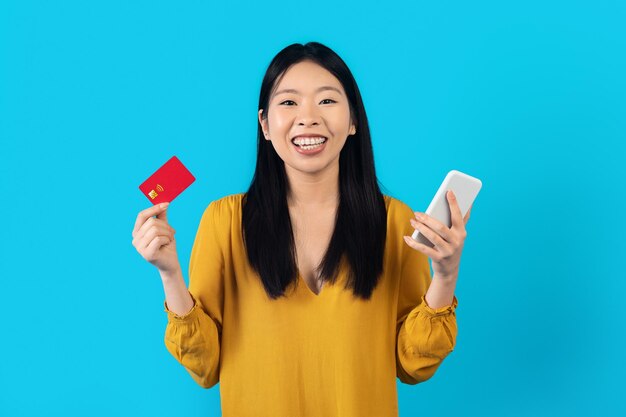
(465, 188)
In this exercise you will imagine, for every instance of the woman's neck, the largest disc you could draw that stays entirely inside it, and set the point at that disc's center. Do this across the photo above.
(318, 190)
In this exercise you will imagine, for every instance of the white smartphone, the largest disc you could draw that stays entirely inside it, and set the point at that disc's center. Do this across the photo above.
(465, 189)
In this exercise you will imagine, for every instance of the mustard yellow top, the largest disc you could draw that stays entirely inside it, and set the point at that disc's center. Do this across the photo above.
(306, 355)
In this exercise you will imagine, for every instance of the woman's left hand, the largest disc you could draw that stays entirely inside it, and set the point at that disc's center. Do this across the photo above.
(448, 241)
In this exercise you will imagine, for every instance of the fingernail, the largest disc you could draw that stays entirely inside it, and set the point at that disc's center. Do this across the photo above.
(163, 205)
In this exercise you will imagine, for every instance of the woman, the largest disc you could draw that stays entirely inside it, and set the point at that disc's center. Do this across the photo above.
(307, 296)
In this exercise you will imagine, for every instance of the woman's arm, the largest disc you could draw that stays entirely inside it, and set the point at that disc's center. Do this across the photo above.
(446, 254)
(193, 333)
(427, 326)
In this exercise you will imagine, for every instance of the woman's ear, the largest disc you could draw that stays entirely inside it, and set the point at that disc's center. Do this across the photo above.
(263, 123)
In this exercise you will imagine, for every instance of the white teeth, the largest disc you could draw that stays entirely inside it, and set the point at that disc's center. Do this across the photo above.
(308, 147)
(300, 141)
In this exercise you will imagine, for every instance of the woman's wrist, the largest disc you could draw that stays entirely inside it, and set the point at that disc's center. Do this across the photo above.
(177, 297)
(441, 292)
(171, 276)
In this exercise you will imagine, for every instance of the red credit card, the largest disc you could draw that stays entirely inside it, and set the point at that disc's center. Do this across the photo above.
(167, 182)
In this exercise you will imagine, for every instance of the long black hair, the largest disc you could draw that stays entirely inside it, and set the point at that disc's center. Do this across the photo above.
(361, 219)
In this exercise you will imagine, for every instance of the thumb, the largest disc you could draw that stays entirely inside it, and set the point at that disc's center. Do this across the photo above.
(162, 214)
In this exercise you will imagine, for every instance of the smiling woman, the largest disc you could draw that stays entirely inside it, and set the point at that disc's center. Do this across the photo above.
(308, 117)
(304, 299)
(327, 103)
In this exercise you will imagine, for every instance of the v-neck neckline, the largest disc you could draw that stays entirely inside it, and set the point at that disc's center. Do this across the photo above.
(308, 289)
(325, 284)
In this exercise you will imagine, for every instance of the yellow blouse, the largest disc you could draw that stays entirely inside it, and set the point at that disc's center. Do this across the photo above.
(306, 355)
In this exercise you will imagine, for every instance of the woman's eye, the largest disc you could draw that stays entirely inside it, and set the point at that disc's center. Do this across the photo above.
(321, 102)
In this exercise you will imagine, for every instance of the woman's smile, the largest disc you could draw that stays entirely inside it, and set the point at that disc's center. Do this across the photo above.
(309, 145)
(308, 119)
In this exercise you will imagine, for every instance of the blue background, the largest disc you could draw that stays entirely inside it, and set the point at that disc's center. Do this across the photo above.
(529, 96)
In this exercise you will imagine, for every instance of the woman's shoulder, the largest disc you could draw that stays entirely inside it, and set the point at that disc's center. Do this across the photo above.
(399, 215)
(231, 200)
(397, 207)
(225, 207)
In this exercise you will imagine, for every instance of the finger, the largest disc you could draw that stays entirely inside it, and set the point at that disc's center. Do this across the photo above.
(153, 222)
(434, 224)
(434, 238)
(455, 210)
(162, 215)
(147, 213)
(420, 247)
(160, 222)
(155, 245)
(151, 229)
(151, 236)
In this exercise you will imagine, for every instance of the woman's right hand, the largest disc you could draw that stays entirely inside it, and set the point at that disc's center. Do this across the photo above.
(154, 239)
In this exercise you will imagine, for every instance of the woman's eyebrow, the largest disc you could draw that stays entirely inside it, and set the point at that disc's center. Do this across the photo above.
(323, 88)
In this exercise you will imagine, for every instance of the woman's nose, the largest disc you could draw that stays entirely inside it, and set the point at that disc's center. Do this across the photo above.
(309, 114)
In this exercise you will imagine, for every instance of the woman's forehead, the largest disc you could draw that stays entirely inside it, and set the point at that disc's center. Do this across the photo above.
(307, 77)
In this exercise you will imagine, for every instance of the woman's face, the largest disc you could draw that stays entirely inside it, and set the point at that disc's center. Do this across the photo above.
(308, 119)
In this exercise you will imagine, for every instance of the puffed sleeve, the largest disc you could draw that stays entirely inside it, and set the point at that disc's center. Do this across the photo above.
(194, 339)
(425, 336)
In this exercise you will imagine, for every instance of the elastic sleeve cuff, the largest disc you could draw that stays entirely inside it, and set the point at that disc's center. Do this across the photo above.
(185, 317)
(441, 311)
